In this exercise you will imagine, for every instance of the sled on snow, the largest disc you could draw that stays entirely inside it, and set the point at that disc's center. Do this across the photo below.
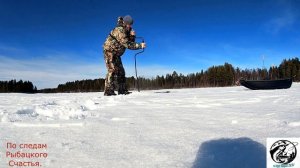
(267, 84)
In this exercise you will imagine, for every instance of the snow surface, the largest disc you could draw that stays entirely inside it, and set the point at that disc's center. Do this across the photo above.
(205, 127)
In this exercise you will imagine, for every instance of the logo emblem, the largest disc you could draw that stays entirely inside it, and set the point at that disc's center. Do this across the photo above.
(283, 151)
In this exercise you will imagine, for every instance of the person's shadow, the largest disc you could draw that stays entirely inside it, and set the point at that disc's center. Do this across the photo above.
(231, 153)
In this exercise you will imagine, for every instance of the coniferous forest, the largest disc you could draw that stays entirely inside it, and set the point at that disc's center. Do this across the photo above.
(215, 76)
(13, 86)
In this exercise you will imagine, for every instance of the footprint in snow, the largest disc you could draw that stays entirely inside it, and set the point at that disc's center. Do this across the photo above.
(118, 119)
(294, 124)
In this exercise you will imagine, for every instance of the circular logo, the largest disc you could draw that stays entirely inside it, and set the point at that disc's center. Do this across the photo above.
(283, 151)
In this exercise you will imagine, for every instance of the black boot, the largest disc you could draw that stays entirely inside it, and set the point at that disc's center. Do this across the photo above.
(125, 92)
(109, 93)
(122, 90)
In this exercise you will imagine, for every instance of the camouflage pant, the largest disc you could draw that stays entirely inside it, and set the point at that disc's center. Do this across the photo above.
(116, 73)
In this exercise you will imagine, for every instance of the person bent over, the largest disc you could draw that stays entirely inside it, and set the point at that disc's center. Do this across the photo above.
(122, 37)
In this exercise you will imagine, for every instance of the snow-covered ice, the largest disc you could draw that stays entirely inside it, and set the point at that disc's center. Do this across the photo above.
(205, 127)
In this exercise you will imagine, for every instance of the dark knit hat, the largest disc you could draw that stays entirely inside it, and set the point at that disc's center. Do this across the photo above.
(128, 20)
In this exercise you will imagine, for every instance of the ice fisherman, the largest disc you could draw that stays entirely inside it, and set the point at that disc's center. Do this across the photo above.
(120, 38)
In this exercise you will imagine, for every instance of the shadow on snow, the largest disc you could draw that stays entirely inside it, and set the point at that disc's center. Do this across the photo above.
(231, 153)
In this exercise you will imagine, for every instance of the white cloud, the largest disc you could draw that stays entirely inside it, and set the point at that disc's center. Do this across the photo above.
(284, 20)
(46, 72)
(11, 49)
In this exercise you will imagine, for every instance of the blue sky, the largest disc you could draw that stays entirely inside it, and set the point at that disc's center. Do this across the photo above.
(54, 41)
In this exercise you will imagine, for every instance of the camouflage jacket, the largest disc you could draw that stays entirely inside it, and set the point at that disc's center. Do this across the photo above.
(119, 39)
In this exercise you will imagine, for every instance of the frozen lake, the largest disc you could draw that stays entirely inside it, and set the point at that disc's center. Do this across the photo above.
(205, 127)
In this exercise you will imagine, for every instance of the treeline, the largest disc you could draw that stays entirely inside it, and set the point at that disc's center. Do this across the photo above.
(219, 76)
(215, 76)
(13, 86)
(87, 85)
(83, 85)
(222, 75)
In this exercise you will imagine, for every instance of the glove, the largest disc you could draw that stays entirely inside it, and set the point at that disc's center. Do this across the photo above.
(132, 32)
(143, 45)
